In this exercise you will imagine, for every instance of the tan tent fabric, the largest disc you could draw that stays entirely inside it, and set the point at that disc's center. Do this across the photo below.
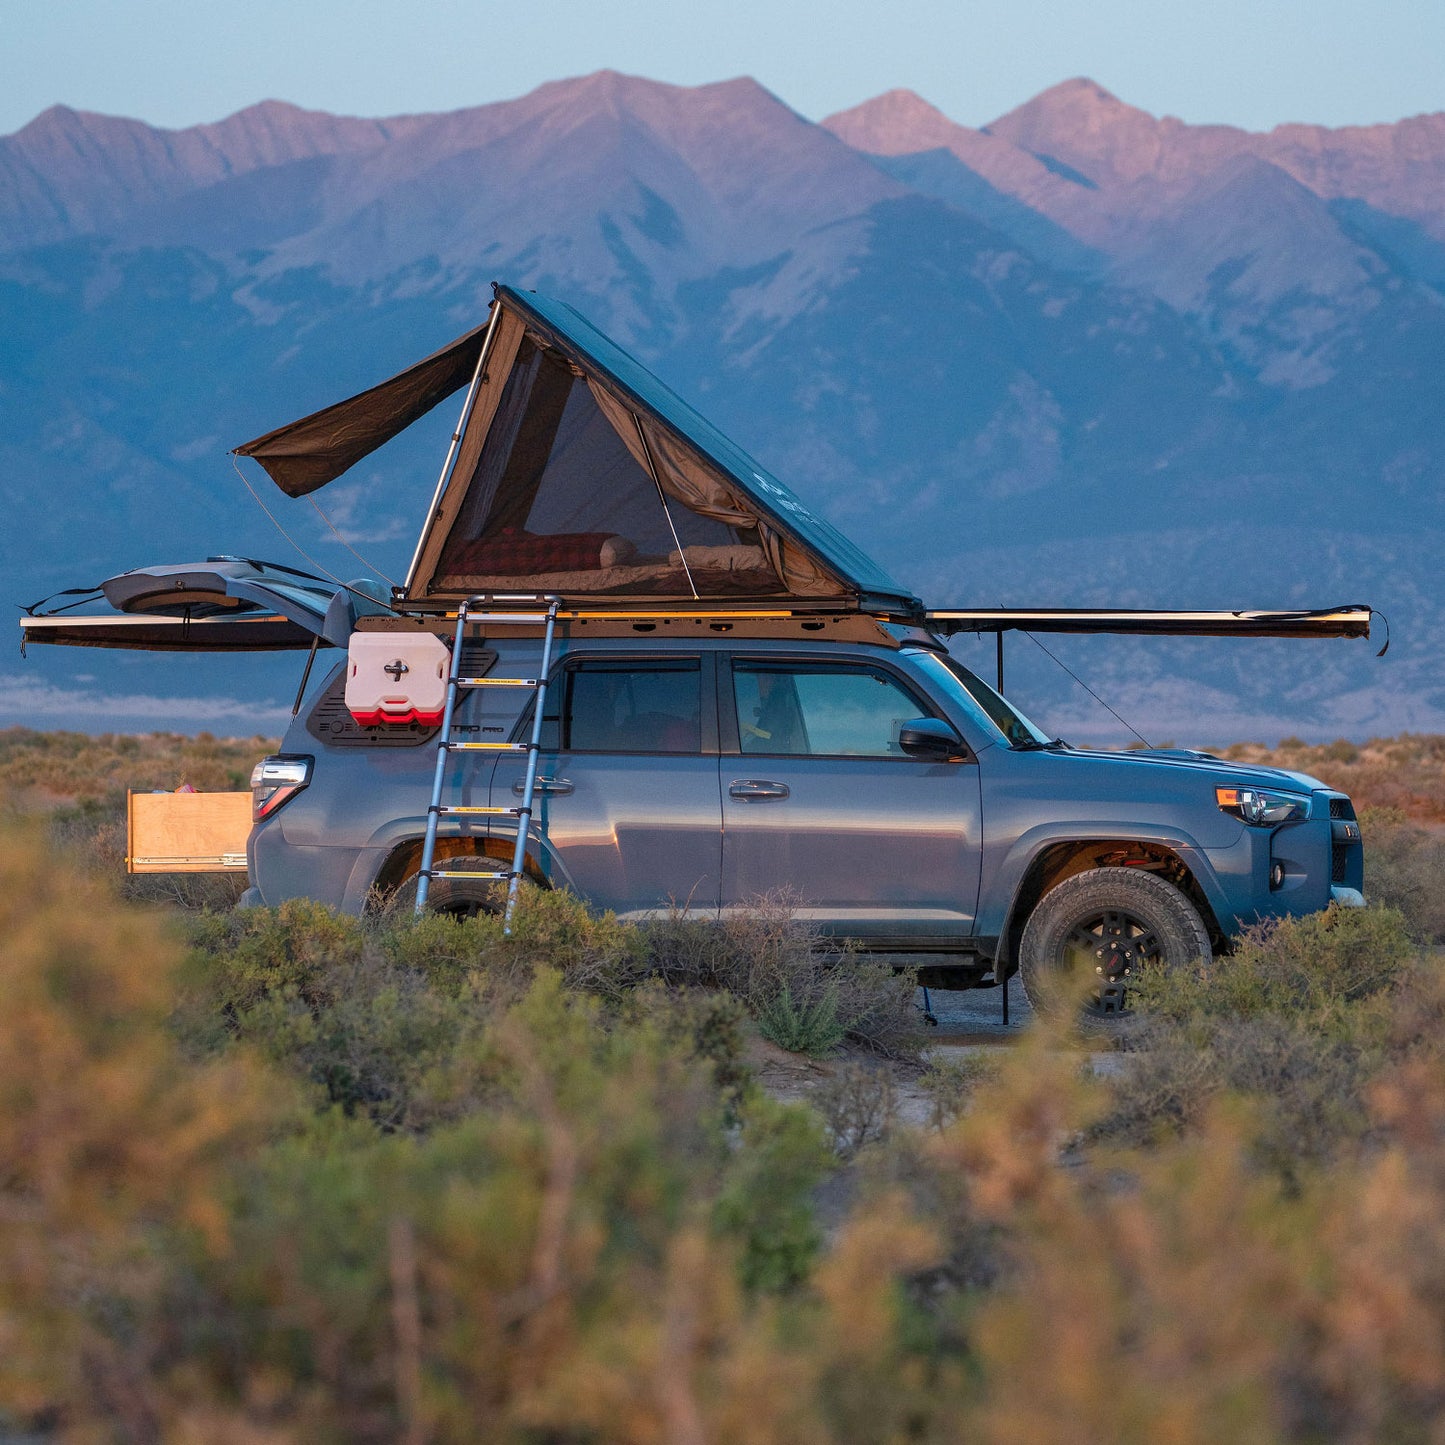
(686, 478)
(306, 454)
(510, 330)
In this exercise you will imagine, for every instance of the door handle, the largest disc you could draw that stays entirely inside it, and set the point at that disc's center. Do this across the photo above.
(544, 785)
(756, 789)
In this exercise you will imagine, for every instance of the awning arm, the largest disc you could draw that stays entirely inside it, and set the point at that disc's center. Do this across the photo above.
(1348, 621)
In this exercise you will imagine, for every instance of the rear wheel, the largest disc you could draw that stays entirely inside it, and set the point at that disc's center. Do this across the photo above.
(459, 897)
(1103, 926)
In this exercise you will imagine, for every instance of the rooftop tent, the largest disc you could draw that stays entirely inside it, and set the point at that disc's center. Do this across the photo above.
(579, 472)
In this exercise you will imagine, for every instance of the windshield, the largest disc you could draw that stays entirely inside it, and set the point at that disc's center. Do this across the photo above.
(979, 700)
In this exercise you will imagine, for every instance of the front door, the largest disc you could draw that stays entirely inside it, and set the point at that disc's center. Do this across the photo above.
(819, 798)
(627, 797)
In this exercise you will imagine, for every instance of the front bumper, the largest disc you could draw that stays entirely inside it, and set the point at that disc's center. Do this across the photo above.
(1317, 862)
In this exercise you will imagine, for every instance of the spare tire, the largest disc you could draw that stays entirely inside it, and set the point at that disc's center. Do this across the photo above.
(1105, 924)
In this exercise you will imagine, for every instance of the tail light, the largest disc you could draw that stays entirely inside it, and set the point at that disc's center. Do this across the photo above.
(276, 780)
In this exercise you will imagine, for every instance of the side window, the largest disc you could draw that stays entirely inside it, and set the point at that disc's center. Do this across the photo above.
(820, 710)
(625, 707)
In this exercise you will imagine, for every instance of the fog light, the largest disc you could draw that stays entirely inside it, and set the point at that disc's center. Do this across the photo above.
(1276, 875)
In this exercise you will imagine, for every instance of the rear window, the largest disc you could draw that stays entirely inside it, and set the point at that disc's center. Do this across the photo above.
(624, 707)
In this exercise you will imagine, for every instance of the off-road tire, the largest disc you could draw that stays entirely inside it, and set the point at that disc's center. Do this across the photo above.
(1104, 922)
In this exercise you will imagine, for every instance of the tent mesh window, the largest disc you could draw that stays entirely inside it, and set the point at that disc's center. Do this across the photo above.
(558, 499)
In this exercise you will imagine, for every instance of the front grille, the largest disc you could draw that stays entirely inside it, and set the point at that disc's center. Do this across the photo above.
(1342, 850)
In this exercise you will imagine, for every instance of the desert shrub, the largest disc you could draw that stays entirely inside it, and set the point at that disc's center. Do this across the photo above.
(785, 971)
(859, 1105)
(752, 953)
(1302, 1091)
(510, 1209)
(106, 1136)
(187, 1255)
(1316, 965)
(385, 1044)
(449, 951)
(705, 1023)
(1182, 1293)
(1405, 869)
(593, 952)
(950, 1081)
(1295, 1024)
(878, 1003)
(766, 1201)
(240, 958)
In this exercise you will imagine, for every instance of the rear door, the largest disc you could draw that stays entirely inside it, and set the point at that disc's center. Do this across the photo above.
(627, 795)
(819, 799)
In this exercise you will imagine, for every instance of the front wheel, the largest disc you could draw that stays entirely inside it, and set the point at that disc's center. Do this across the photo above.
(1104, 925)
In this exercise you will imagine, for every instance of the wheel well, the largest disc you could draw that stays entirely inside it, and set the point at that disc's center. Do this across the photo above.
(404, 862)
(1063, 860)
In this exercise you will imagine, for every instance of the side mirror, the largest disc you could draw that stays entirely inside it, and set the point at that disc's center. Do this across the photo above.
(930, 739)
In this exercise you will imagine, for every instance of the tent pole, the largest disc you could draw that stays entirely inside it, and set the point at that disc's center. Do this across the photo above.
(451, 459)
(998, 641)
(666, 510)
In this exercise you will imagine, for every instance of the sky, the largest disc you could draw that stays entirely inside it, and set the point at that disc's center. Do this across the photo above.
(1254, 63)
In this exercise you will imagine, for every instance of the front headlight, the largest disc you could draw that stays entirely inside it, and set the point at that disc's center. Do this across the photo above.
(1263, 807)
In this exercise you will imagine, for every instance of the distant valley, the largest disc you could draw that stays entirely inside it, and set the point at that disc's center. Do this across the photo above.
(1082, 355)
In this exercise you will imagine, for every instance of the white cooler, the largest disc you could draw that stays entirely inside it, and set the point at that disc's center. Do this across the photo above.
(396, 677)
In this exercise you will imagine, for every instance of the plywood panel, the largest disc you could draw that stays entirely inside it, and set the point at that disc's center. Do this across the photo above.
(187, 832)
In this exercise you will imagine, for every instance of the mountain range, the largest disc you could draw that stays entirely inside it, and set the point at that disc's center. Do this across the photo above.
(1082, 355)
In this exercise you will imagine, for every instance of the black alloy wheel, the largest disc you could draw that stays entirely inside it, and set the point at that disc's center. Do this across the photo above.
(1090, 934)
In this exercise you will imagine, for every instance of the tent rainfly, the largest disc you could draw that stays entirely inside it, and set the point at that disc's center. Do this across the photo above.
(577, 471)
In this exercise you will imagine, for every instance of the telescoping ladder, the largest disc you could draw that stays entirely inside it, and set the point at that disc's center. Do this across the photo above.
(479, 609)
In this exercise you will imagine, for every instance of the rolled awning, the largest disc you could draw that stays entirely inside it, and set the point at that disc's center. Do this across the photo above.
(1348, 621)
(306, 454)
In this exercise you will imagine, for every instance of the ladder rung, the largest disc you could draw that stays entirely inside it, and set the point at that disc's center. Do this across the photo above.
(467, 808)
(529, 619)
(496, 682)
(486, 747)
(466, 873)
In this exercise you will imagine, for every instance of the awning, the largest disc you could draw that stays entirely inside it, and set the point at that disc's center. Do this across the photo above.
(250, 632)
(1349, 621)
(224, 604)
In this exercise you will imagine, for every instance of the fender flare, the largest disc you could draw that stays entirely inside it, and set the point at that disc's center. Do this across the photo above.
(400, 833)
(1018, 863)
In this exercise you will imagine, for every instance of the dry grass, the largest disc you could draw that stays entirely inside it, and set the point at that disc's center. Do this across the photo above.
(49, 768)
